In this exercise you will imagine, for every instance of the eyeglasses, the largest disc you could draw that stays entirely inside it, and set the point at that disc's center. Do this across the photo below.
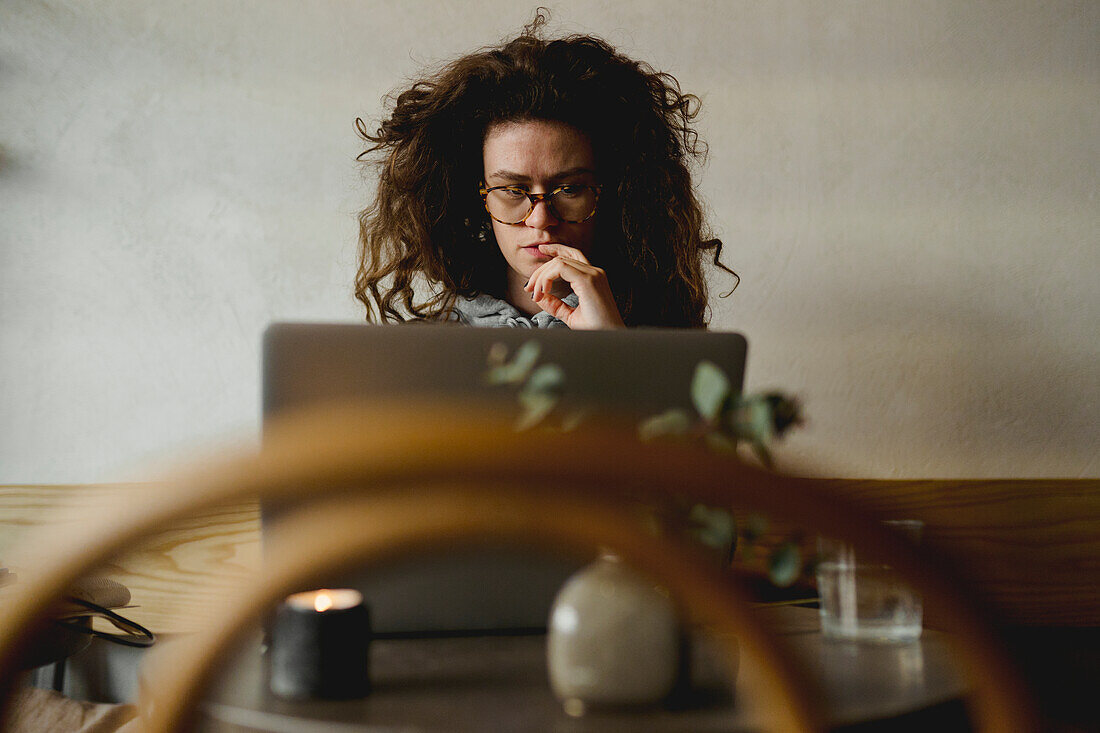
(571, 203)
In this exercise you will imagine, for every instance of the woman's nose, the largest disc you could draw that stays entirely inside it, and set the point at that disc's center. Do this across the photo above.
(542, 216)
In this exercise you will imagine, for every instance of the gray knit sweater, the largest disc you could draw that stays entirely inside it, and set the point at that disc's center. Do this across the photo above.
(487, 311)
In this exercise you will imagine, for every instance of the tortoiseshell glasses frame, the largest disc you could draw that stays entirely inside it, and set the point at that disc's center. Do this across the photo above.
(548, 197)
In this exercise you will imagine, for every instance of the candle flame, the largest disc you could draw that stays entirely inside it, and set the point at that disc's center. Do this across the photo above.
(322, 602)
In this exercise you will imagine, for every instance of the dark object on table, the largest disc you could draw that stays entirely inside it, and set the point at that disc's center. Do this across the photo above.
(320, 652)
(60, 643)
(70, 621)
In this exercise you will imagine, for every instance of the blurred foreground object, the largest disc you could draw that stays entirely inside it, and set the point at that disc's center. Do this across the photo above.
(458, 484)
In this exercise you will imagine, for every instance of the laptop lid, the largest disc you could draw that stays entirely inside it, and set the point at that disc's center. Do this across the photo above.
(636, 373)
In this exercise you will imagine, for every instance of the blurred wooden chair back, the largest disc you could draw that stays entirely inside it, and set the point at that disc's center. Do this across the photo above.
(429, 477)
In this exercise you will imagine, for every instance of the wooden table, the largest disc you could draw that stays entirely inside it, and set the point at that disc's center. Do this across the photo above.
(500, 684)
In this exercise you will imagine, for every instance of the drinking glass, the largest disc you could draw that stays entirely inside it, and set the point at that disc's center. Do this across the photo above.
(863, 599)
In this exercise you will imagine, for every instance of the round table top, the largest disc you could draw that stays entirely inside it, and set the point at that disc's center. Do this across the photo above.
(500, 683)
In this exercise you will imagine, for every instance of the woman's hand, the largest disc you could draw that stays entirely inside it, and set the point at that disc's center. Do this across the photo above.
(596, 308)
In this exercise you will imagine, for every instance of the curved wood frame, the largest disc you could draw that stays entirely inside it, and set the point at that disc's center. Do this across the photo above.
(338, 448)
(343, 533)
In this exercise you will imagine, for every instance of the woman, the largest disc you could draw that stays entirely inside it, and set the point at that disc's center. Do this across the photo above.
(539, 183)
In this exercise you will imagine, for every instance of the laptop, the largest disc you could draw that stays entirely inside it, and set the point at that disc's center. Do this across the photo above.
(635, 373)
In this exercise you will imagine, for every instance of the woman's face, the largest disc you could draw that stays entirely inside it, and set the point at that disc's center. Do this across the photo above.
(538, 156)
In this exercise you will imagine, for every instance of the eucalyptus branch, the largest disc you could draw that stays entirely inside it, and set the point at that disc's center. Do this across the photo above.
(723, 419)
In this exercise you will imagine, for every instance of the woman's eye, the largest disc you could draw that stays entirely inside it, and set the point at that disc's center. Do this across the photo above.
(570, 191)
(514, 193)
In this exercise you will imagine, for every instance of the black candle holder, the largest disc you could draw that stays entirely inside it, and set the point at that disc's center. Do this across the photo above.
(320, 641)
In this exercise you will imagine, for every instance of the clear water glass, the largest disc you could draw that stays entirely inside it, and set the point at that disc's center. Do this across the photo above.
(863, 600)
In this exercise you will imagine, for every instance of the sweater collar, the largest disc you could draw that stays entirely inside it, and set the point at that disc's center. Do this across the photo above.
(487, 311)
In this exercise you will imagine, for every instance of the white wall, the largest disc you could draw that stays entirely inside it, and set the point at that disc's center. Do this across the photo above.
(909, 191)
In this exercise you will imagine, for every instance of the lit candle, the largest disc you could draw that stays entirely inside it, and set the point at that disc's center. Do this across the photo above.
(319, 645)
(324, 599)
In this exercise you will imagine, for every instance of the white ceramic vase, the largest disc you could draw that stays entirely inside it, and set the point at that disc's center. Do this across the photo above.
(613, 639)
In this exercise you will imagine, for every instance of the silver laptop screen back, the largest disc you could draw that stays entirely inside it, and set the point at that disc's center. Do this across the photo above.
(632, 373)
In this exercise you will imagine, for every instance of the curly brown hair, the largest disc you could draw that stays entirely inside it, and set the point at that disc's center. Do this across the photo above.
(428, 221)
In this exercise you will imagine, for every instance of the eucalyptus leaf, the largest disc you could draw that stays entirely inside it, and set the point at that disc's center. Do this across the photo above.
(710, 389)
(750, 419)
(671, 422)
(761, 420)
(540, 394)
(573, 420)
(498, 354)
(535, 409)
(714, 527)
(546, 379)
(500, 374)
(516, 370)
(763, 454)
(785, 564)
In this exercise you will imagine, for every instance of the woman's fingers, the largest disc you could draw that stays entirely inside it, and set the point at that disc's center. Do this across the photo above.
(562, 255)
(596, 307)
(560, 268)
(556, 249)
(556, 307)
